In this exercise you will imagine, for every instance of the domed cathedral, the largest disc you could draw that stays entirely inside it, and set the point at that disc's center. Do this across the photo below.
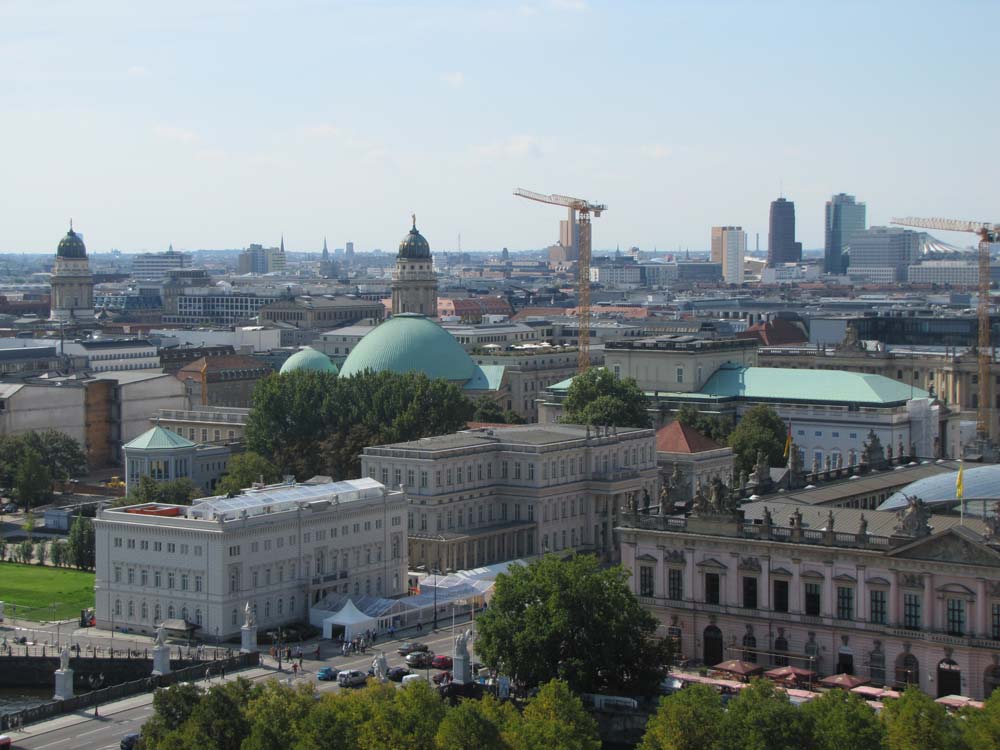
(72, 285)
(414, 285)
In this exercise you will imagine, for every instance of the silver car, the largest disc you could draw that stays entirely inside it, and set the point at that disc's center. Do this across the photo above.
(351, 678)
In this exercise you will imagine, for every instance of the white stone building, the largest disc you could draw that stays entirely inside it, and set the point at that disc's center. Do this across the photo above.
(488, 495)
(72, 284)
(279, 547)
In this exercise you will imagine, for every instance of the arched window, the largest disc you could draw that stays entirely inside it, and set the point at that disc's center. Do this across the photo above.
(907, 669)
(197, 617)
(156, 614)
(281, 606)
(291, 605)
(145, 611)
(267, 608)
(118, 607)
(131, 609)
(184, 614)
(171, 612)
(234, 617)
(781, 644)
(749, 647)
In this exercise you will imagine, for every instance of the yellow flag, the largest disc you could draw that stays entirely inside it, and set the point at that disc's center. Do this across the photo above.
(959, 483)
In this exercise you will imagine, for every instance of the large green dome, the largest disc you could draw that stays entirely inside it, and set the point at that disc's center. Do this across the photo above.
(413, 246)
(308, 358)
(71, 246)
(408, 343)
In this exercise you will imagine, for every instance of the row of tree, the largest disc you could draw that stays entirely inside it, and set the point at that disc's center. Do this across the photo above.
(762, 718)
(308, 423)
(241, 715)
(599, 398)
(76, 551)
(31, 462)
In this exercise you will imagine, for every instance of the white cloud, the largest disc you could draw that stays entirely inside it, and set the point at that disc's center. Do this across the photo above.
(657, 151)
(324, 130)
(517, 146)
(137, 71)
(455, 79)
(174, 133)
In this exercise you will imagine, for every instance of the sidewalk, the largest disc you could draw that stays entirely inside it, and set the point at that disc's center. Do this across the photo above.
(125, 704)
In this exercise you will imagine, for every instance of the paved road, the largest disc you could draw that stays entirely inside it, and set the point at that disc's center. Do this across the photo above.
(105, 732)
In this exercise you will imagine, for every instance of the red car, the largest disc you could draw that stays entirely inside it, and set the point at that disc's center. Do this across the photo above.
(442, 677)
(441, 661)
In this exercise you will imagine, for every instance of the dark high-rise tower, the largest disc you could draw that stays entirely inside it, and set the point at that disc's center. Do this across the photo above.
(844, 217)
(781, 244)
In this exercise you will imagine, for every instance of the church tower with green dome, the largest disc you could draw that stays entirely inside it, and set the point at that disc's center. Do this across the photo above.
(72, 297)
(414, 285)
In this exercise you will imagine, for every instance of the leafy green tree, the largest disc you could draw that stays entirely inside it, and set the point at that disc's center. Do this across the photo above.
(61, 453)
(41, 553)
(32, 481)
(555, 719)
(687, 720)
(840, 720)
(243, 470)
(80, 544)
(980, 728)
(172, 707)
(914, 720)
(715, 427)
(277, 715)
(597, 397)
(400, 719)
(762, 718)
(572, 620)
(25, 551)
(58, 552)
(468, 725)
(310, 423)
(147, 490)
(29, 524)
(332, 724)
(3, 548)
(217, 722)
(488, 410)
(759, 429)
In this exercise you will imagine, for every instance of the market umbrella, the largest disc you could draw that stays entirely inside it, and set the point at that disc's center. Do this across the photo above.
(791, 673)
(845, 681)
(739, 667)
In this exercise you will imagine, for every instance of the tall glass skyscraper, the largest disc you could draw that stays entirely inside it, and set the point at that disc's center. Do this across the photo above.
(844, 217)
(781, 244)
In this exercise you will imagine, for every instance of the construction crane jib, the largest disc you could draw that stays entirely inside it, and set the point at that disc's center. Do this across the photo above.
(988, 232)
(584, 209)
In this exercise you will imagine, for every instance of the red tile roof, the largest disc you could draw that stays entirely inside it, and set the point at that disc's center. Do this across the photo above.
(775, 333)
(678, 438)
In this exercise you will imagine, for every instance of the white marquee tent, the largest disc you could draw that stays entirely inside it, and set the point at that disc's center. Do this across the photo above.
(351, 619)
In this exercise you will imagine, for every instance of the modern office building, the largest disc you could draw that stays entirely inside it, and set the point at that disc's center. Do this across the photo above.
(258, 259)
(279, 547)
(487, 495)
(414, 284)
(72, 285)
(781, 244)
(112, 355)
(844, 217)
(729, 246)
(158, 265)
(883, 253)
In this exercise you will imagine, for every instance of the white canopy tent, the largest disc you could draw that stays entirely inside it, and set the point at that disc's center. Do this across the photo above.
(351, 619)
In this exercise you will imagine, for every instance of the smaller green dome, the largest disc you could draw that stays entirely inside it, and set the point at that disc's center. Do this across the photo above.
(308, 358)
(71, 246)
(414, 246)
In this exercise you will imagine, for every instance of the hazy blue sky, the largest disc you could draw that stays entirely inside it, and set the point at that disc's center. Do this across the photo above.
(216, 123)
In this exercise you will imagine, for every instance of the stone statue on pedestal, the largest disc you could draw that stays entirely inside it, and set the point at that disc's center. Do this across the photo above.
(664, 501)
(64, 659)
(248, 617)
(380, 667)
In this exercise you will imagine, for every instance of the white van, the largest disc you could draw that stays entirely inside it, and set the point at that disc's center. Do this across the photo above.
(407, 679)
(606, 702)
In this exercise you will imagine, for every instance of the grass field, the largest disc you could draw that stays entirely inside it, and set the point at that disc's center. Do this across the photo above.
(34, 588)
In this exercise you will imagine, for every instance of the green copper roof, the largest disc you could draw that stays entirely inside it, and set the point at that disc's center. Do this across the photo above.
(486, 378)
(410, 342)
(308, 358)
(159, 439)
(413, 246)
(787, 384)
(71, 246)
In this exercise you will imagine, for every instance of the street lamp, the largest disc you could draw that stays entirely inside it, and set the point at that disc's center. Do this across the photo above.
(435, 572)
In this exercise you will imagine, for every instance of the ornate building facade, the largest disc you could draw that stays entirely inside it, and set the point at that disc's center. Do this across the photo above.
(897, 598)
(414, 285)
(72, 284)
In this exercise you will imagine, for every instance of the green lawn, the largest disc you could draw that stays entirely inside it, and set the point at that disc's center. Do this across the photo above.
(35, 587)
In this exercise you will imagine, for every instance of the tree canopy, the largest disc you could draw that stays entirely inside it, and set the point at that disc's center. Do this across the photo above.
(62, 456)
(762, 718)
(597, 397)
(688, 720)
(488, 410)
(574, 621)
(709, 425)
(147, 490)
(309, 423)
(244, 469)
(840, 720)
(80, 544)
(914, 720)
(760, 428)
(32, 480)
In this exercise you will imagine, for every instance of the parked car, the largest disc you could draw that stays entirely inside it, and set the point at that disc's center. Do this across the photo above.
(442, 677)
(396, 674)
(351, 678)
(327, 673)
(411, 678)
(420, 659)
(10, 508)
(129, 742)
(5, 742)
(441, 661)
(406, 649)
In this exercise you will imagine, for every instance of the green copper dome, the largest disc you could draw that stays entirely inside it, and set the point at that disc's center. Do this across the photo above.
(414, 246)
(71, 246)
(407, 343)
(308, 358)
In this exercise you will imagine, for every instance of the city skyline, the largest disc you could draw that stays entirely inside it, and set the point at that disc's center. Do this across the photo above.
(212, 126)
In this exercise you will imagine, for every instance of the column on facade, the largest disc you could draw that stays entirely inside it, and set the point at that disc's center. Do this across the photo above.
(894, 598)
(829, 592)
(861, 605)
(982, 606)
(795, 595)
(930, 610)
(764, 587)
(733, 598)
(691, 592)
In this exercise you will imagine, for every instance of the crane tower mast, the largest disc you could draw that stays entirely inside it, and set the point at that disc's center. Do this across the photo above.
(583, 209)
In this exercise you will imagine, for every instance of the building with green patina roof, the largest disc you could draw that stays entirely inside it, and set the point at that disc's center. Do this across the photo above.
(165, 455)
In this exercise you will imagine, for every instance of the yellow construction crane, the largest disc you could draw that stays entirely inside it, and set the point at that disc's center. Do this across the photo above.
(987, 233)
(584, 209)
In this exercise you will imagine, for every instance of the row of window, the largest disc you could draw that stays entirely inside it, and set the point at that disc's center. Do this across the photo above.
(484, 512)
(171, 547)
(157, 578)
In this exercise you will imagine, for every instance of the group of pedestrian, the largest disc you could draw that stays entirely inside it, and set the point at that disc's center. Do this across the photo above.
(357, 645)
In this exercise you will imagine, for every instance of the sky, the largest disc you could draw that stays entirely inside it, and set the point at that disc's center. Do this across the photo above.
(217, 123)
